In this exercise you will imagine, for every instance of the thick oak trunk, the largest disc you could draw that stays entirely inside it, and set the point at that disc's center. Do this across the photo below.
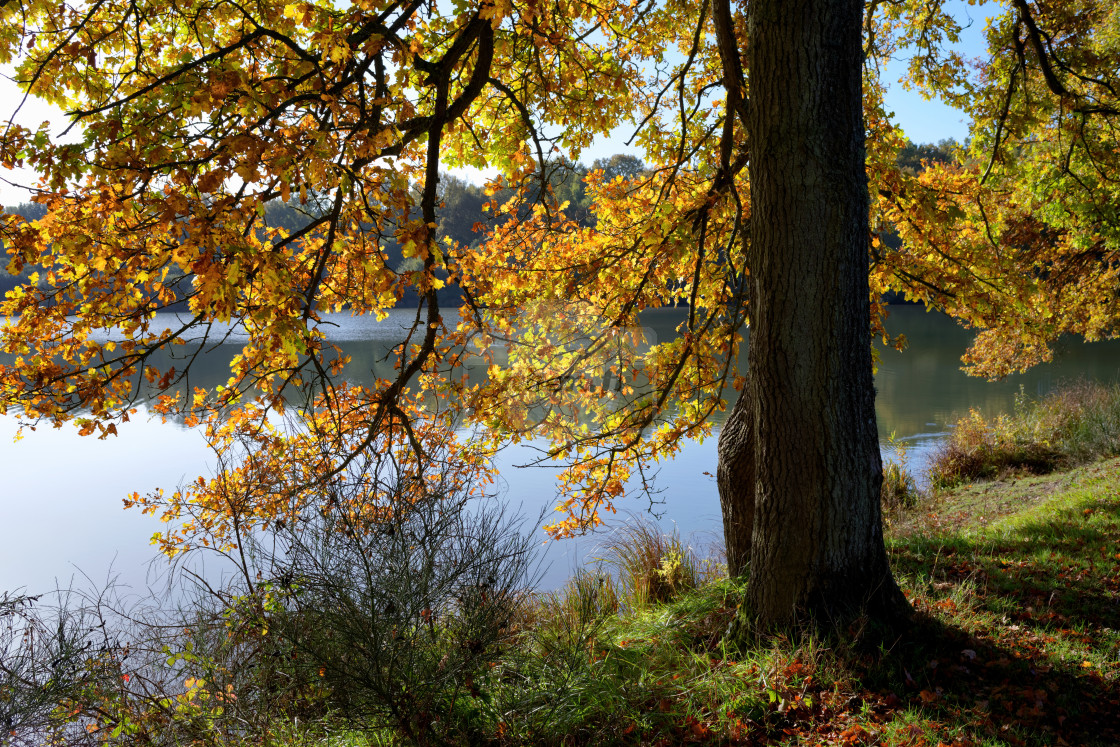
(803, 448)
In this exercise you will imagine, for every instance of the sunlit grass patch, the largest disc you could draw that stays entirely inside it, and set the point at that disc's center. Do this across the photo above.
(1038, 591)
(297, 734)
(651, 566)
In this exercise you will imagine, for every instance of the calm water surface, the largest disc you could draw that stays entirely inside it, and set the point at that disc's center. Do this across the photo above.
(61, 496)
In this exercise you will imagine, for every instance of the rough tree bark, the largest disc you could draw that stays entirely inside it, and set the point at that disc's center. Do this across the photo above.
(735, 478)
(802, 450)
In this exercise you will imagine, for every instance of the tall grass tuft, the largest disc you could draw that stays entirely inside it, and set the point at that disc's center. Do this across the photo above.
(1071, 425)
(900, 489)
(652, 567)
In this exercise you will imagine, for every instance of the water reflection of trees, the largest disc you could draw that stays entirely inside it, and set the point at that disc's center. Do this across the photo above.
(372, 349)
(923, 389)
(920, 389)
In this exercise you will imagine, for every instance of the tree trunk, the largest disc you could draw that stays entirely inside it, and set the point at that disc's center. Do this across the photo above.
(735, 477)
(809, 420)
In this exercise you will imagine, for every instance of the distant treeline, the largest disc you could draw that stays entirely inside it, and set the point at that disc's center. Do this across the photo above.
(914, 156)
(462, 203)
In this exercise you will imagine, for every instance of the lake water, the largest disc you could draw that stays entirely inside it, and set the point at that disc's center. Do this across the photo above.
(61, 495)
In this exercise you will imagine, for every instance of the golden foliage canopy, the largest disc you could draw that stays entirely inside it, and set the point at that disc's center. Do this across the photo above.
(193, 116)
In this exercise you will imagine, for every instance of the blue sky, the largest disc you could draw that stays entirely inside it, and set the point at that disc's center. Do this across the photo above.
(930, 121)
(923, 120)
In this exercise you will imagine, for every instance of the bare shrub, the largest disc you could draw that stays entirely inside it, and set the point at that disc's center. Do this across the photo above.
(402, 623)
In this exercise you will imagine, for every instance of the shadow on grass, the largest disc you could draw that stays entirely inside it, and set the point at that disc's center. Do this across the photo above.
(1059, 572)
(942, 684)
(1018, 630)
(1015, 641)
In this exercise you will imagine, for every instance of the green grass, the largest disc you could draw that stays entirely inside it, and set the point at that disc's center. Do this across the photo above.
(900, 490)
(651, 567)
(1016, 641)
(295, 734)
(1029, 574)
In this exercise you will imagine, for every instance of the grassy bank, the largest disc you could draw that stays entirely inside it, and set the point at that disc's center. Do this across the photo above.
(1016, 641)
(1072, 425)
(1016, 586)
